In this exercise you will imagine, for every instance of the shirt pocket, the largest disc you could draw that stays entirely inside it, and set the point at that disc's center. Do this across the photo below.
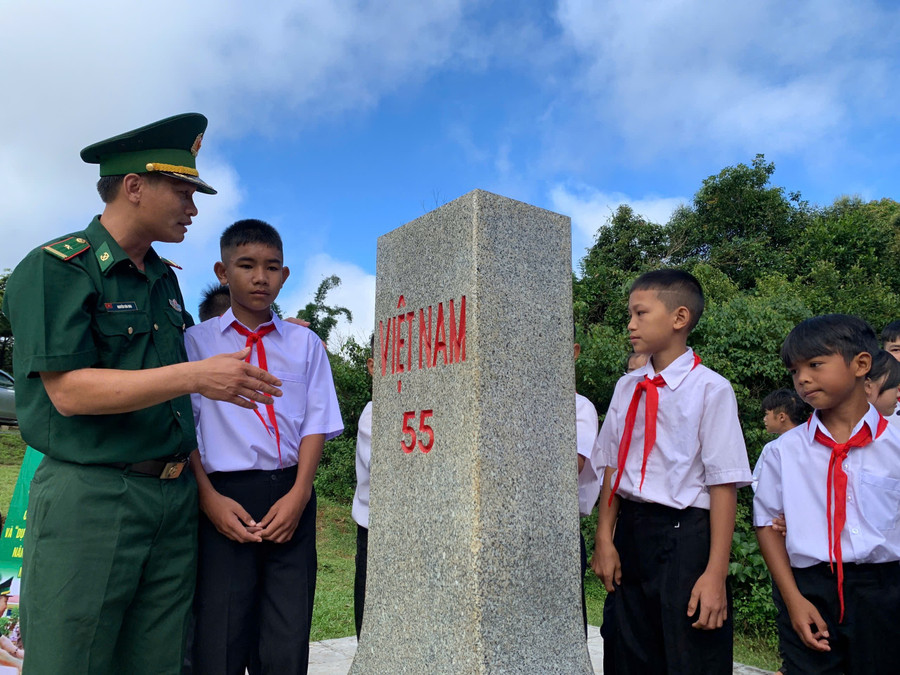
(880, 500)
(117, 334)
(292, 403)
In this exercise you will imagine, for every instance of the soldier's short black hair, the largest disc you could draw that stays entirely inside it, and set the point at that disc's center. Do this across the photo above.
(676, 288)
(250, 231)
(787, 401)
(829, 334)
(108, 186)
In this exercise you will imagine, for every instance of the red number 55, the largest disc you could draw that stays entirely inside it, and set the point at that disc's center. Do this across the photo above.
(409, 444)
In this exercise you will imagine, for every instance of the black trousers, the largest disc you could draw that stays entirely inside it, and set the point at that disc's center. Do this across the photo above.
(359, 579)
(867, 640)
(663, 551)
(254, 602)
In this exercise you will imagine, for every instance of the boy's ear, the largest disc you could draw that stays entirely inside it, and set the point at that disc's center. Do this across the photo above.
(220, 271)
(681, 317)
(370, 366)
(577, 350)
(861, 364)
(285, 273)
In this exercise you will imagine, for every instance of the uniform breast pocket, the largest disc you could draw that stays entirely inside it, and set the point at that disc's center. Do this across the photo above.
(292, 403)
(119, 332)
(880, 500)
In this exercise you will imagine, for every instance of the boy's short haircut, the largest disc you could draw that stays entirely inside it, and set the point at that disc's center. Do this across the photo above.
(676, 288)
(885, 366)
(789, 402)
(829, 334)
(250, 231)
(216, 301)
(891, 332)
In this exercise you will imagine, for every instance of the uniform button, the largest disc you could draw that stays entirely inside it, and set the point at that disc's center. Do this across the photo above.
(156, 326)
(274, 477)
(178, 413)
(183, 326)
(130, 330)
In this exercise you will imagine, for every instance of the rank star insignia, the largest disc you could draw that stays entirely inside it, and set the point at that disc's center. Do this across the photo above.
(195, 148)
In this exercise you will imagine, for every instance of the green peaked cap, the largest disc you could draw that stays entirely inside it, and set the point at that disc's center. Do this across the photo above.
(168, 147)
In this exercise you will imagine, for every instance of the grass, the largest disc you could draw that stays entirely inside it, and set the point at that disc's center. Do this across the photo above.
(12, 451)
(336, 543)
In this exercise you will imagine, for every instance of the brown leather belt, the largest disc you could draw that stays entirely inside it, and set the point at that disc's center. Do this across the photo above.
(164, 468)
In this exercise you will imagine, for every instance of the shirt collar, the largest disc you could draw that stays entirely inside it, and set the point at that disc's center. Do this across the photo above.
(870, 418)
(673, 374)
(227, 319)
(110, 255)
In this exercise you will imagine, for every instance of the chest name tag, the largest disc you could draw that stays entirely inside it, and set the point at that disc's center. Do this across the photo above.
(129, 306)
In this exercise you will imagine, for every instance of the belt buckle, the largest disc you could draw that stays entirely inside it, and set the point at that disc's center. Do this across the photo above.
(172, 470)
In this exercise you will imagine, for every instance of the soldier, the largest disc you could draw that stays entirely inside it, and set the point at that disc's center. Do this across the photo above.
(103, 391)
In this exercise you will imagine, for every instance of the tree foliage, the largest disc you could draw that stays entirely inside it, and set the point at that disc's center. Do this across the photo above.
(766, 260)
(323, 318)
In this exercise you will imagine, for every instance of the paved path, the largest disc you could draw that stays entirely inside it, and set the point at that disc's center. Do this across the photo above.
(333, 657)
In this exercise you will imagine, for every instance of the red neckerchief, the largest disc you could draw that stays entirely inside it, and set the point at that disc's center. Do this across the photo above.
(651, 387)
(837, 483)
(255, 338)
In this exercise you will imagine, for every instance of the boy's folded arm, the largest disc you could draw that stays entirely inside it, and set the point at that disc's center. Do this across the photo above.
(804, 615)
(709, 592)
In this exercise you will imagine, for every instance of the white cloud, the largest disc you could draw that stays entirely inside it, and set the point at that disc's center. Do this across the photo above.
(356, 293)
(74, 73)
(590, 209)
(761, 76)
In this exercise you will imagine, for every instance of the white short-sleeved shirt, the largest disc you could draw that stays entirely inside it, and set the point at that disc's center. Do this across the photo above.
(360, 511)
(590, 478)
(759, 462)
(698, 436)
(231, 438)
(793, 480)
(895, 418)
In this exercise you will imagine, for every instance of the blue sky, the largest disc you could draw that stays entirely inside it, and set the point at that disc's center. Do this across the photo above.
(339, 121)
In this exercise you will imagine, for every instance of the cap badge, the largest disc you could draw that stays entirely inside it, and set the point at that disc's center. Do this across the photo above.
(195, 148)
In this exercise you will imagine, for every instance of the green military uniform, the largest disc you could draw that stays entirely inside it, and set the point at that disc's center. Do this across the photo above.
(110, 550)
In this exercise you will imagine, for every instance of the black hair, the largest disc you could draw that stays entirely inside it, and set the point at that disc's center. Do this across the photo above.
(676, 288)
(886, 366)
(108, 186)
(828, 334)
(787, 401)
(250, 231)
(216, 301)
(628, 358)
(891, 332)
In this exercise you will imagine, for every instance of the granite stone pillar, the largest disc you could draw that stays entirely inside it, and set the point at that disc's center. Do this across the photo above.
(473, 545)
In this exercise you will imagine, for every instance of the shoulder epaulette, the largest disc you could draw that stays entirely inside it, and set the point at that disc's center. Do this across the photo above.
(170, 263)
(67, 249)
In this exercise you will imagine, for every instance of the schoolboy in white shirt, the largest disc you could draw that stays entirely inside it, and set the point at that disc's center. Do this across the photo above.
(836, 479)
(255, 469)
(590, 472)
(675, 455)
(360, 509)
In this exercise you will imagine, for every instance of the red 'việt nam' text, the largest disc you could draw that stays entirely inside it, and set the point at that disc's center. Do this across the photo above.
(440, 332)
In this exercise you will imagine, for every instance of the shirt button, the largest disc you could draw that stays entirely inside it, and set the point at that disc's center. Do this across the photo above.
(156, 326)
(849, 498)
(855, 530)
(846, 467)
(130, 330)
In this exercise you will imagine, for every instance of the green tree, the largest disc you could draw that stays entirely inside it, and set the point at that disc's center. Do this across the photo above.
(6, 337)
(323, 318)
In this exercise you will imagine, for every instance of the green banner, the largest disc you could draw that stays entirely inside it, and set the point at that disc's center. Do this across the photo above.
(14, 527)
